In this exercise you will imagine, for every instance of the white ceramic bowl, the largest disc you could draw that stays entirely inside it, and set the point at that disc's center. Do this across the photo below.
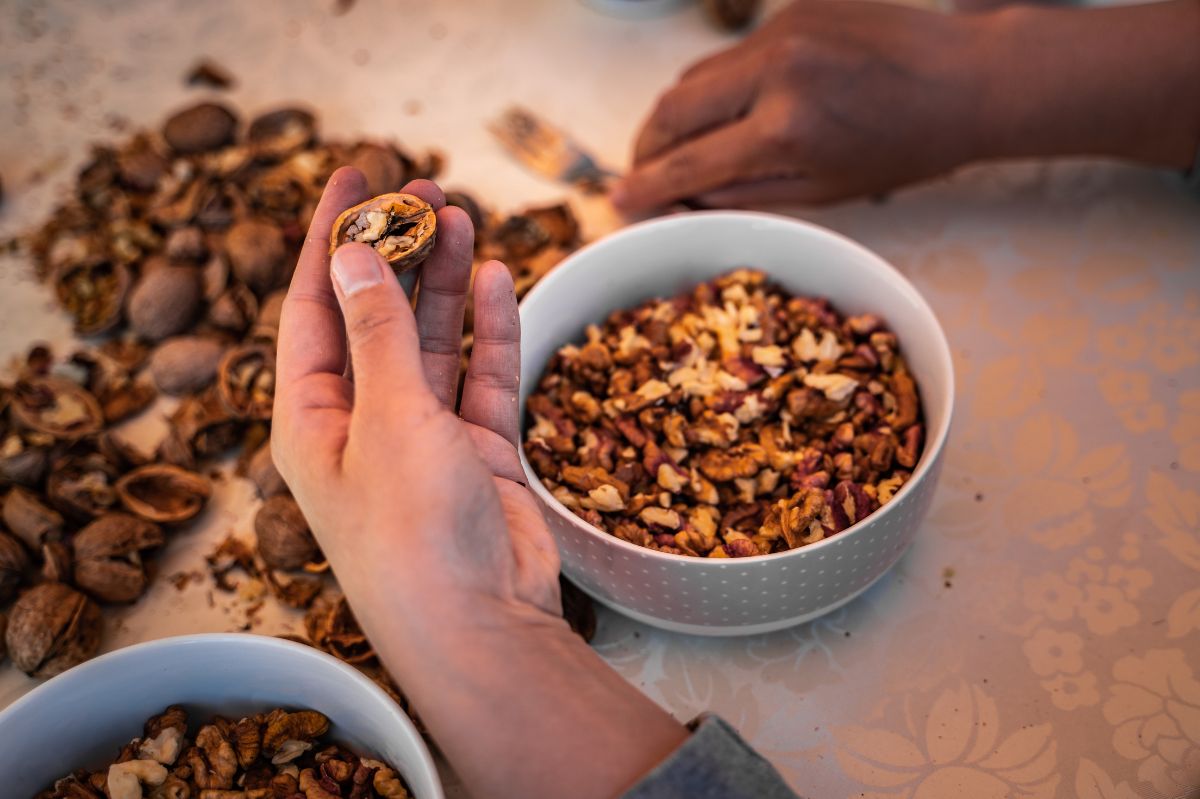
(83, 716)
(663, 257)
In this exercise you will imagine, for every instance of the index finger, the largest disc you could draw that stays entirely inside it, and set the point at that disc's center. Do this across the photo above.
(312, 338)
(712, 160)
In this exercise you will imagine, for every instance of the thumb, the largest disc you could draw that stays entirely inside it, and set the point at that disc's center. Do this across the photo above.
(385, 351)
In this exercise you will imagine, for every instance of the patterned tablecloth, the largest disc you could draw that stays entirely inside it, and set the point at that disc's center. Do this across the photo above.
(1042, 637)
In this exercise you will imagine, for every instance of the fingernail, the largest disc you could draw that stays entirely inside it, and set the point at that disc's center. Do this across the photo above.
(355, 269)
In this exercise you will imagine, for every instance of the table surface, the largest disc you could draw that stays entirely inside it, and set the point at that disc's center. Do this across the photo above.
(1041, 638)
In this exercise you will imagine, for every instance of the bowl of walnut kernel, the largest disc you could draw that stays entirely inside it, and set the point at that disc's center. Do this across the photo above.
(733, 421)
(221, 715)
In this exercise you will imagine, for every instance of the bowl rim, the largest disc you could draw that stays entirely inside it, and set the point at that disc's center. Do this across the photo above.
(83, 673)
(872, 260)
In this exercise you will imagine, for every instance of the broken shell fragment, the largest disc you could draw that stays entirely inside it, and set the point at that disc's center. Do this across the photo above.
(108, 560)
(276, 134)
(81, 485)
(30, 519)
(246, 382)
(164, 493)
(93, 293)
(57, 407)
(400, 227)
(51, 628)
(13, 563)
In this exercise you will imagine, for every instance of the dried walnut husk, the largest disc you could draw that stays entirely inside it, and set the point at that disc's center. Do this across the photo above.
(57, 407)
(400, 227)
(164, 493)
(284, 540)
(108, 556)
(13, 565)
(51, 628)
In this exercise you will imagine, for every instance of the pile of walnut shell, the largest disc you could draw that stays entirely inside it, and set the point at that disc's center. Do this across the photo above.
(172, 254)
(275, 755)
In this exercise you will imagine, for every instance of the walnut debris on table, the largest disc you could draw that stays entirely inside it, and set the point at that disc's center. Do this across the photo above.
(172, 253)
(278, 754)
(729, 421)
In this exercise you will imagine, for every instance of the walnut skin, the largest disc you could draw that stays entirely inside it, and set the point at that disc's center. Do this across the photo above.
(400, 227)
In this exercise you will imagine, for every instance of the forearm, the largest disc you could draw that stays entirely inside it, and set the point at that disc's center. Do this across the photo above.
(1121, 82)
(522, 707)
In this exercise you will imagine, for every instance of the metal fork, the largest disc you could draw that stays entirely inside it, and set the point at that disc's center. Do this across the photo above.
(547, 150)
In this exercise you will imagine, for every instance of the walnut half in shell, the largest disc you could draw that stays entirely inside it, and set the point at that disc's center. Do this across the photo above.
(401, 227)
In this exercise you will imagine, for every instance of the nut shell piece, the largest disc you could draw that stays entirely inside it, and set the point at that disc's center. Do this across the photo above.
(199, 128)
(107, 556)
(162, 493)
(51, 628)
(400, 227)
(57, 407)
(284, 540)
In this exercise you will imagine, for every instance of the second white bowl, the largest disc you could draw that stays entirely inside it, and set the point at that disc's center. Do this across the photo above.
(82, 717)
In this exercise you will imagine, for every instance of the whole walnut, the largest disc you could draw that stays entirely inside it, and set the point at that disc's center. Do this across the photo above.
(262, 472)
(381, 167)
(199, 128)
(185, 364)
(284, 540)
(108, 560)
(13, 564)
(51, 628)
(164, 301)
(256, 249)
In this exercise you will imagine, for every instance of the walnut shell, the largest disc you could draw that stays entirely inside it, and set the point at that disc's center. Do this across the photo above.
(160, 492)
(234, 309)
(199, 128)
(281, 132)
(108, 562)
(246, 382)
(30, 519)
(380, 166)
(262, 472)
(93, 293)
(468, 203)
(13, 564)
(185, 364)
(20, 463)
(400, 227)
(186, 244)
(57, 407)
(257, 251)
(164, 301)
(51, 628)
(56, 562)
(80, 485)
(284, 540)
(266, 325)
(200, 426)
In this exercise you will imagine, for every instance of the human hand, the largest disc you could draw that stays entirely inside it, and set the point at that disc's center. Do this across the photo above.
(410, 500)
(828, 100)
(422, 511)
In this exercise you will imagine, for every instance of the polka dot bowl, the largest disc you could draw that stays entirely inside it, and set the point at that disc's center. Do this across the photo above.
(737, 596)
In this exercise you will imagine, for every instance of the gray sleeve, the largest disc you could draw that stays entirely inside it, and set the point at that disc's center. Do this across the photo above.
(713, 763)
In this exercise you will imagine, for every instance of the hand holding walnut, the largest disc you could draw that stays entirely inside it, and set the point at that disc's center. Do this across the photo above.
(421, 509)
